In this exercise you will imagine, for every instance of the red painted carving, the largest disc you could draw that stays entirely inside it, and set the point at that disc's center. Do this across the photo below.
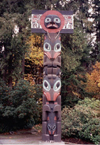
(52, 12)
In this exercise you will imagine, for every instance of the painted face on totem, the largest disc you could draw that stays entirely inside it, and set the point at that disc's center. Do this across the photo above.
(52, 50)
(52, 22)
(51, 123)
(51, 87)
(51, 117)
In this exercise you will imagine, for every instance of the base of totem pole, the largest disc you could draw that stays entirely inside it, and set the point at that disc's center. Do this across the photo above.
(55, 137)
(45, 133)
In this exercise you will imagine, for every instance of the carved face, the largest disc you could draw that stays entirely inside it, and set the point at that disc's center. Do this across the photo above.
(52, 22)
(52, 50)
(51, 120)
(51, 87)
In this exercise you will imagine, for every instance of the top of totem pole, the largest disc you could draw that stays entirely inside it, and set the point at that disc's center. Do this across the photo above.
(51, 21)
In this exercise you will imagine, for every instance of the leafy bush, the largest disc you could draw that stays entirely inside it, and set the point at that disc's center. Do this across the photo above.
(18, 106)
(82, 121)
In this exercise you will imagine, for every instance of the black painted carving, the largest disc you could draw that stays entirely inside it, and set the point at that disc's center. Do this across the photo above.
(52, 22)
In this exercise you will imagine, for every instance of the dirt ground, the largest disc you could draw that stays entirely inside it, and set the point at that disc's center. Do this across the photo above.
(25, 139)
(33, 137)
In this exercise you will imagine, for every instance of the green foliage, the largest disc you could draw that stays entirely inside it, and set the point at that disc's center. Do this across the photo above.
(92, 103)
(14, 48)
(82, 121)
(13, 14)
(73, 88)
(91, 130)
(18, 107)
(75, 55)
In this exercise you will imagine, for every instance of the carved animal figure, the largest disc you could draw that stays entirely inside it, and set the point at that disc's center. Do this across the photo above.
(51, 87)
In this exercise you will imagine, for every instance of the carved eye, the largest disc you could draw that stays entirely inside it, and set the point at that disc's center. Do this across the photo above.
(47, 47)
(57, 47)
(47, 20)
(57, 20)
(46, 85)
(54, 127)
(57, 85)
(49, 127)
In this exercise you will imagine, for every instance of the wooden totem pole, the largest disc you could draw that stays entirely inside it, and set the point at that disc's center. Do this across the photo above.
(52, 23)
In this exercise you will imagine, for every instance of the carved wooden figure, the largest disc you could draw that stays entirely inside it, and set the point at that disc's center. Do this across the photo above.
(52, 23)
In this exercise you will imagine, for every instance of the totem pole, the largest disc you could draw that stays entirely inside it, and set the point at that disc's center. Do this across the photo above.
(52, 23)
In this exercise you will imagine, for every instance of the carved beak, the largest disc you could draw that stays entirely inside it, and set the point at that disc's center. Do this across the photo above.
(47, 94)
(56, 55)
(55, 96)
(48, 54)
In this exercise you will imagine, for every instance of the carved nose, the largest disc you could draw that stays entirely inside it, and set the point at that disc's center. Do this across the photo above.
(54, 55)
(52, 22)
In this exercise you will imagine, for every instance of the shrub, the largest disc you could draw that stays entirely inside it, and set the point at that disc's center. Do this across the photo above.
(82, 121)
(18, 106)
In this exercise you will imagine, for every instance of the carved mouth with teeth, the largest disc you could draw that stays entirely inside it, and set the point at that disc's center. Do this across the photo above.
(52, 22)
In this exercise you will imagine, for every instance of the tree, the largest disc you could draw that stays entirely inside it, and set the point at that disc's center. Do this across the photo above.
(96, 30)
(18, 100)
(14, 50)
(14, 44)
(75, 55)
(34, 58)
(93, 81)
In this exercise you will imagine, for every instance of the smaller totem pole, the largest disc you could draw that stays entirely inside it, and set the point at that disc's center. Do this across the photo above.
(52, 23)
